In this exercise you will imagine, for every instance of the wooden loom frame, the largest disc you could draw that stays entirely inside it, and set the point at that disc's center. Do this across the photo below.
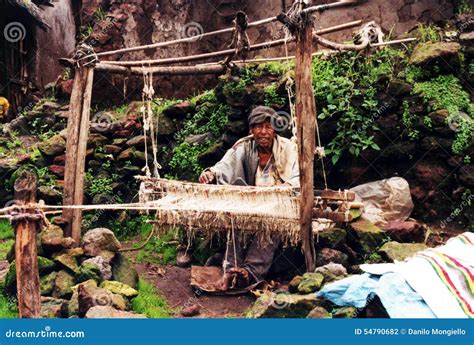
(78, 122)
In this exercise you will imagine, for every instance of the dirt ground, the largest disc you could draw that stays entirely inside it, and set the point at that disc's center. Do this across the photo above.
(174, 284)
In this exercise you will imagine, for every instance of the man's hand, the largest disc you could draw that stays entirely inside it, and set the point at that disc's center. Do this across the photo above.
(207, 177)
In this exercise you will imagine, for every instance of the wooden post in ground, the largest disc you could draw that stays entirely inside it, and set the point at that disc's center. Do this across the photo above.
(306, 126)
(77, 134)
(26, 224)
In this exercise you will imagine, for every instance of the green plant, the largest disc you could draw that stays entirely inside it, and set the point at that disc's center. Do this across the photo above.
(342, 83)
(463, 7)
(100, 14)
(160, 249)
(6, 230)
(8, 305)
(272, 97)
(446, 92)
(210, 117)
(98, 184)
(150, 303)
(409, 119)
(429, 33)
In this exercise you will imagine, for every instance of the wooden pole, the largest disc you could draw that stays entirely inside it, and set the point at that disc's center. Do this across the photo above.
(26, 258)
(318, 8)
(306, 127)
(76, 146)
(221, 53)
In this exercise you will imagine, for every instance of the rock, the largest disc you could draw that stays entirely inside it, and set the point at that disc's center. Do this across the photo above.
(345, 313)
(327, 255)
(52, 308)
(119, 302)
(439, 117)
(466, 175)
(63, 284)
(124, 271)
(67, 261)
(128, 154)
(166, 126)
(294, 283)
(138, 141)
(107, 312)
(392, 251)
(238, 127)
(467, 37)
(96, 139)
(73, 305)
(408, 231)
(191, 310)
(284, 305)
(311, 282)
(53, 240)
(51, 107)
(332, 272)
(212, 154)
(430, 174)
(90, 296)
(54, 146)
(45, 265)
(19, 124)
(104, 267)
(57, 170)
(4, 267)
(49, 194)
(119, 288)
(398, 88)
(112, 149)
(100, 242)
(319, 313)
(198, 139)
(88, 271)
(369, 236)
(7, 166)
(332, 237)
(47, 283)
(445, 54)
(180, 110)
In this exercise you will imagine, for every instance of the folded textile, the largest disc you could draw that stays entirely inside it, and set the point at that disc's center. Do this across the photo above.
(436, 282)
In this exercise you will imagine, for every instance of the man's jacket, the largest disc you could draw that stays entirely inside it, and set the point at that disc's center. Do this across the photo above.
(240, 163)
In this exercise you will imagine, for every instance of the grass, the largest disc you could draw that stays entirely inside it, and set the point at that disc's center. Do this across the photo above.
(6, 230)
(8, 306)
(6, 238)
(160, 249)
(150, 303)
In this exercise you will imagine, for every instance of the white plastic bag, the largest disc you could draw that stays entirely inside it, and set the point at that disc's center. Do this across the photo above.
(385, 201)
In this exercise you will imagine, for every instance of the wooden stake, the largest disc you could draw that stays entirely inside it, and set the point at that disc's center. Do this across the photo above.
(78, 130)
(306, 127)
(26, 257)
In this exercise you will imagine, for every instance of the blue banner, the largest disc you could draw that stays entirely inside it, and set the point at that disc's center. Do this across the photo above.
(237, 331)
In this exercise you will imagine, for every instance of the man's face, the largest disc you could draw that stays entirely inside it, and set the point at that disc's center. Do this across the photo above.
(264, 134)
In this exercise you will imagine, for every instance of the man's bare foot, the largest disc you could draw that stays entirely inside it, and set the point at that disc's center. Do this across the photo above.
(235, 278)
(226, 281)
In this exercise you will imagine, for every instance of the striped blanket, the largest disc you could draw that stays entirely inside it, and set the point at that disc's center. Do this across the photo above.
(443, 276)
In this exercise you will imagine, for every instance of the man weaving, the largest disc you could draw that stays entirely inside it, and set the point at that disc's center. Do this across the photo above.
(262, 159)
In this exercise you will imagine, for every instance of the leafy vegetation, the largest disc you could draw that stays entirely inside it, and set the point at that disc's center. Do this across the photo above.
(150, 303)
(346, 88)
(446, 92)
(211, 117)
(160, 249)
(8, 305)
